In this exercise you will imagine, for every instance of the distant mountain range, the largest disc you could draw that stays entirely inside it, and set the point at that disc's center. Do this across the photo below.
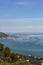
(3, 35)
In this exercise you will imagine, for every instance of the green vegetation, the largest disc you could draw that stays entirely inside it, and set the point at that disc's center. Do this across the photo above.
(8, 58)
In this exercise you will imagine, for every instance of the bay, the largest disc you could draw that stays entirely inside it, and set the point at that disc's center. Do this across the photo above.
(25, 44)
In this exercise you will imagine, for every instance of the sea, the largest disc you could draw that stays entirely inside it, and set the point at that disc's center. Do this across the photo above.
(25, 44)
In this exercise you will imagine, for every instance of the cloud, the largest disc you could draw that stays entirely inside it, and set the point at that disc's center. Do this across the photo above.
(21, 25)
(22, 20)
(22, 29)
(20, 3)
(26, 3)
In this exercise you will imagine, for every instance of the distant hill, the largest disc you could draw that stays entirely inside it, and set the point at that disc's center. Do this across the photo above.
(3, 35)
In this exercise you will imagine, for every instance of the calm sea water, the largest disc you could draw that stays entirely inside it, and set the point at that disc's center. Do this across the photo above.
(25, 44)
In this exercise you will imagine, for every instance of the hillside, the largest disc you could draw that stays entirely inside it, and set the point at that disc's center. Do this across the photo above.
(3, 35)
(9, 58)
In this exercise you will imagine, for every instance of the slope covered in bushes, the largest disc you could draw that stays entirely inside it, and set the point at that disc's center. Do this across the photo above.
(9, 58)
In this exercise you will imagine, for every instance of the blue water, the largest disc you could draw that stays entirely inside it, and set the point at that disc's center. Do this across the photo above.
(25, 44)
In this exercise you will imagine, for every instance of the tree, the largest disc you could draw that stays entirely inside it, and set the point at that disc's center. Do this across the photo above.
(7, 52)
(1, 50)
(13, 57)
(1, 47)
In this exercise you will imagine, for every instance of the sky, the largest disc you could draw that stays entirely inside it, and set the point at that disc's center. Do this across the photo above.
(21, 16)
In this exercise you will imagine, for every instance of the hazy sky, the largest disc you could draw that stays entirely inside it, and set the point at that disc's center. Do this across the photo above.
(21, 15)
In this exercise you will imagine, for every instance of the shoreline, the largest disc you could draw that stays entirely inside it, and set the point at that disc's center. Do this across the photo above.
(23, 54)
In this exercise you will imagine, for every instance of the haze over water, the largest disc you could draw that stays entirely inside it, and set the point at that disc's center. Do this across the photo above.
(25, 44)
